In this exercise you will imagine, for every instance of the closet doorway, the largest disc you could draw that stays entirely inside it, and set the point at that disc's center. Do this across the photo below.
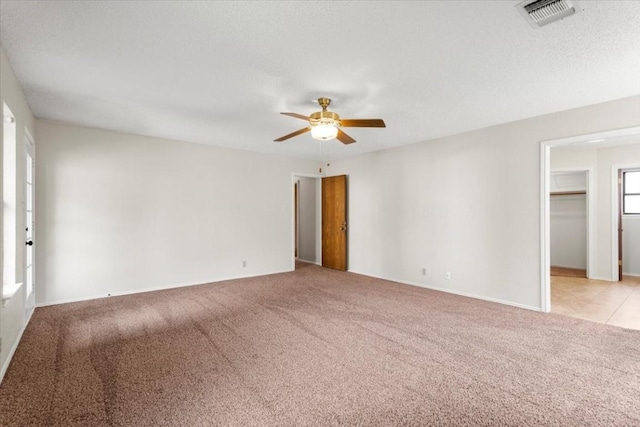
(307, 222)
(568, 223)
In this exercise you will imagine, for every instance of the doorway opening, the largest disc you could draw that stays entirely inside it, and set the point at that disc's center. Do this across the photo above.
(307, 221)
(629, 221)
(320, 223)
(600, 156)
(569, 220)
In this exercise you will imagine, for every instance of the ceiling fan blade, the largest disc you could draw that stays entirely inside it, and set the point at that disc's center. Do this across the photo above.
(296, 115)
(292, 134)
(363, 123)
(344, 138)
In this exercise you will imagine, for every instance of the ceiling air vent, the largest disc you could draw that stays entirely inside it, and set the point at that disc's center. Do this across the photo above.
(543, 12)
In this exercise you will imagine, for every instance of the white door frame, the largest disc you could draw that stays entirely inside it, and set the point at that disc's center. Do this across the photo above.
(545, 176)
(614, 214)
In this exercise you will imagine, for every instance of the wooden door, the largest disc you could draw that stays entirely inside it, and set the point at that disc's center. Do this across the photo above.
(334, 222)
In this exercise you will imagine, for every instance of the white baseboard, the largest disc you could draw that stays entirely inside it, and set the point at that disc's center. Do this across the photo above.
(152, 289)
(604, 279)
(569, 267)
(14, 347)
(609, 279)
(451, 291)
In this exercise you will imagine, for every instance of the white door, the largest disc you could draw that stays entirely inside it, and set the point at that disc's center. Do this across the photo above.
(29, 222)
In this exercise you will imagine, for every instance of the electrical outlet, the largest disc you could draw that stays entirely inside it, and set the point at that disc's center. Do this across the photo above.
(424, 271)
(244, 264)
(447, 275)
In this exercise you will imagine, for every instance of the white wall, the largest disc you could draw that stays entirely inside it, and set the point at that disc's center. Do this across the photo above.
(568, 181)
(14, 315)
(119, 213)
(631, 245)
(602, 161)
(467, 204)
(308, 217)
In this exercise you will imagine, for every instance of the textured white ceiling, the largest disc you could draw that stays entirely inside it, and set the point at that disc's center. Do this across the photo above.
(220, 72)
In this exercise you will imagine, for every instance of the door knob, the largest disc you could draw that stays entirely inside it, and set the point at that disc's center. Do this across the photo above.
(30, 242)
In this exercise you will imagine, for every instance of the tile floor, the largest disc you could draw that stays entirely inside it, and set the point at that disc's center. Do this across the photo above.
(613, 303)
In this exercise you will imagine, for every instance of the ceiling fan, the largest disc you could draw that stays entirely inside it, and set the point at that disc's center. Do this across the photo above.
(325, 125)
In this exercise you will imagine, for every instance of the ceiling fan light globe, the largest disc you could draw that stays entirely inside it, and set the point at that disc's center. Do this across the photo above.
(324, 132)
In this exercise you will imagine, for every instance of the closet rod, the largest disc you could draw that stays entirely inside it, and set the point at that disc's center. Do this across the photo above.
(567, 193)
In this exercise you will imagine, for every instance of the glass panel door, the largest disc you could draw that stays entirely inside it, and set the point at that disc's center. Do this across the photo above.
(29, 224)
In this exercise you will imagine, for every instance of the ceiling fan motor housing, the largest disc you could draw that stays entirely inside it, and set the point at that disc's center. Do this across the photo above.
(324, 118)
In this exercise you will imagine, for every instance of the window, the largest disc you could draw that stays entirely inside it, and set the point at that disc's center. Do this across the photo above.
(9, 285)
(631, 192)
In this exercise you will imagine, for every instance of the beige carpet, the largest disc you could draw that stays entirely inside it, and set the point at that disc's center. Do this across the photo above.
(317, 348)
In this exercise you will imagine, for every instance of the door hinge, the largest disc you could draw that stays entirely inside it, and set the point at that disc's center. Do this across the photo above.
(619, 262)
